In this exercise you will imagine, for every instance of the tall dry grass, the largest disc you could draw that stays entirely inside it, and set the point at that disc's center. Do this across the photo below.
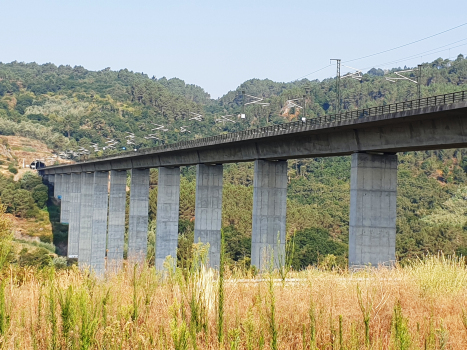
(419, 306)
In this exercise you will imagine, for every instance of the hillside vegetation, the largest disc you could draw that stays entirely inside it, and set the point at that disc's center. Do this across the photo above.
(68, 107)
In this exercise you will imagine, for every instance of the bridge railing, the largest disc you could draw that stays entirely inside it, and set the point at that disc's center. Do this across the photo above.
(310, 124)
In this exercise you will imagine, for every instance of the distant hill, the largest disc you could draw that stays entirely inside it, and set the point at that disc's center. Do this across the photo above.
(78, 107)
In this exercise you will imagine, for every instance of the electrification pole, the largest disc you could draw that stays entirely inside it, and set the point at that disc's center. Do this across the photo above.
(243, 104)
(304, 108)
(338, 81)
(419, 81)
(307, 91)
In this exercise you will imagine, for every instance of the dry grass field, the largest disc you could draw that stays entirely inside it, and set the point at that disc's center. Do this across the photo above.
(419, 306)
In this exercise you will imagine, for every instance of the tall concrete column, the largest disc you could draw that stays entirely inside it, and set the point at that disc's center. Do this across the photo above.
(75, 209)
(269, 213)
(208, 209)
(57, 183)
(138, 219)
(168, 200)
(86, 216)
(65, 199)
(51, 179)
(116, 227)
(373, 194)
(100, 201)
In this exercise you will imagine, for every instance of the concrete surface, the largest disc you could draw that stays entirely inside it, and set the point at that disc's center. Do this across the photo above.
(100, 201)
(138, 220)
(168, 199)
(269, 214)
(75, 208)
(208, 209)
(85, 224)
(116, 226)
(373, 195)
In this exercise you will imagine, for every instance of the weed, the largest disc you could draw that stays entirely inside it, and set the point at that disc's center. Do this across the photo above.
(366, 308)
(400, 325)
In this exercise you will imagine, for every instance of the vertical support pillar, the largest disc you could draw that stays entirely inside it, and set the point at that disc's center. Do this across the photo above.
(168, 200)
(100, 201)
(50, 179)
(117, 206)
(57, 182)
(373, 192)
(269, 213)
(75, 208)
(65, 199)
(208, 209)
(86, 215)
(138, 219)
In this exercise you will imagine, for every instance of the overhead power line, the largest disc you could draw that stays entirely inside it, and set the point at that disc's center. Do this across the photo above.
(413, 42)
(429, 52)
(316, 71)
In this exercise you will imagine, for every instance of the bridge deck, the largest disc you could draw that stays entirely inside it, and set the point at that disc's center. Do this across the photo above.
(428, 123)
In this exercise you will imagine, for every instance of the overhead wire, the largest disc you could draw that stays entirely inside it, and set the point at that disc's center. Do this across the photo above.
(316, 71)
(394, 48)
(398, 47)
(421, 54)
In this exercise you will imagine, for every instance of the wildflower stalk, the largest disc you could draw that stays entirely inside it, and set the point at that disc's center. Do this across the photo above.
(220, 310)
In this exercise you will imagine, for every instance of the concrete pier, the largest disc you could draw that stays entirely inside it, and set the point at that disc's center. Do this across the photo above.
(168, 199)
(208, 209)
(269, 213)
(86, 215)
(65, 199)
(57, 183)
(138, 219)
(75, 208)
(51, 180)
(373, 192)
(100, 201)
(116, 226)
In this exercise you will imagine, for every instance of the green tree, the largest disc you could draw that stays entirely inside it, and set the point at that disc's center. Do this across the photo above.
(19, 202)
(313, 244)
(30, 181)
(40, 194)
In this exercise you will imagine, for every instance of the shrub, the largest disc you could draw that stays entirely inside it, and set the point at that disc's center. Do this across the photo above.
(5, 237)
(59, 262)
(39, 257)
(12, 169)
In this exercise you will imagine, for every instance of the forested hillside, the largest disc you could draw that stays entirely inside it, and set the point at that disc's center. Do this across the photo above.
(71, 107)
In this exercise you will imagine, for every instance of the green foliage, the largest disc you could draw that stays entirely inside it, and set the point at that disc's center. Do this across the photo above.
(5, 238)
(313, 244)
(59, 262)
(4, 312)
(40, 194)
(30, 180)
(39, 257)
(12, 169)
(19, 202)
(237, 245)
(400, 325)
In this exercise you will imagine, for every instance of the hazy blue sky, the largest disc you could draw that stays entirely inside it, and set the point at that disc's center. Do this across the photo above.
(220, 44)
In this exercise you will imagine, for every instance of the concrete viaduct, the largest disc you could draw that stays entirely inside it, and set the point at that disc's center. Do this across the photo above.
(95, 209)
